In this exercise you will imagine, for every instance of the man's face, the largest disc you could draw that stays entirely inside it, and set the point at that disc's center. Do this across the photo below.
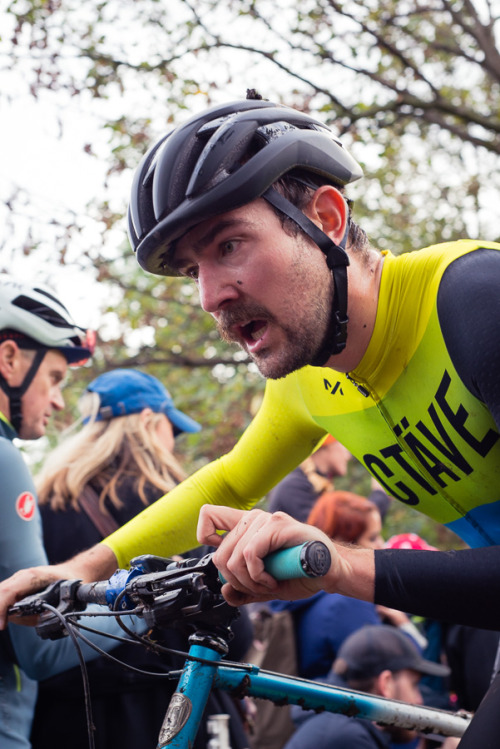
(268, 291)
(43, 395)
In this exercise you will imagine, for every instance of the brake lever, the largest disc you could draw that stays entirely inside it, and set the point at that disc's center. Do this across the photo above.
(173, 568)
(51, 626)
(35, 604)
(60, 595)
(168, 591)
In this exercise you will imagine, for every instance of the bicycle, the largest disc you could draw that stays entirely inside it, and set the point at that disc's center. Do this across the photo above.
(163, 592)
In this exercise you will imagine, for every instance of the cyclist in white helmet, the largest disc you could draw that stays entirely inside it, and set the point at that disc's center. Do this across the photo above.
(32, 323)
(38, 340)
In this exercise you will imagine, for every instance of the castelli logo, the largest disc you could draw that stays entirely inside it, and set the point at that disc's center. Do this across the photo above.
(25, 505)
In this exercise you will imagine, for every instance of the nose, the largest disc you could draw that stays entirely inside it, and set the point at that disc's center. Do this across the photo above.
(57, 399)
(216, 287)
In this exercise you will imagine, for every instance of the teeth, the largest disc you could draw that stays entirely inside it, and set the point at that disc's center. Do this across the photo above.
(257, 331)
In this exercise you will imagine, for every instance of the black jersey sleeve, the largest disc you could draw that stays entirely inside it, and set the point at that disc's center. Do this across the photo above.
(468, 305)
(453, 586)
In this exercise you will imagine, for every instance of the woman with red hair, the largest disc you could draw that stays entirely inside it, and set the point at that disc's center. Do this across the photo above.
(348, 518)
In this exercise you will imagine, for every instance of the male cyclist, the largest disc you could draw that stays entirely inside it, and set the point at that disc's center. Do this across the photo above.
(38, 339)
(397, 357)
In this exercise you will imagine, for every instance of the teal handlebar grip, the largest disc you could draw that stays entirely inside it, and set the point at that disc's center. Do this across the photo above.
(311, 559)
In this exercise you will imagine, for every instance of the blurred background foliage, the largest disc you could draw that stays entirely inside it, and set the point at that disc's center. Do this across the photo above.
(412, 87)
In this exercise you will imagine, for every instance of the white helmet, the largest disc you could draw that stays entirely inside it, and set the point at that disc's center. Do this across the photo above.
(36, 320)
(36, 313)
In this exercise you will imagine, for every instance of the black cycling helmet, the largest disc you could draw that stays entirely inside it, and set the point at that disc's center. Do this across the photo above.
(225, 158)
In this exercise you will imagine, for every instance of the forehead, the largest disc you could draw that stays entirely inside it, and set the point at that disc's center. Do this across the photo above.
(53, 361)
(251, 215)
(373, 520)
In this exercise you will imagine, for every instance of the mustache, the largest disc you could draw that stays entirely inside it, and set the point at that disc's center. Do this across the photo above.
(228, 318)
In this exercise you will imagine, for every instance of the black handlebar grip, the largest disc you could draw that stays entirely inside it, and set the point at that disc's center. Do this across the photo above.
(93, 592)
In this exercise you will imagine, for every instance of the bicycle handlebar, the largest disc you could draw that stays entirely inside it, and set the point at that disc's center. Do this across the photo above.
(93, 592)
(161, 590)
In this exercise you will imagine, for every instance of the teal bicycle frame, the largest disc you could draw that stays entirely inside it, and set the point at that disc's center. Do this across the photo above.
(162, 592)
(198, 678)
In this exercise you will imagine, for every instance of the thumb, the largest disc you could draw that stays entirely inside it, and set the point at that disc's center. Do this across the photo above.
(212, 520)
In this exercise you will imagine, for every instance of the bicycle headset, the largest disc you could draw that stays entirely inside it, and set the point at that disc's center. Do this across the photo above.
(36, 320)
(227, 157)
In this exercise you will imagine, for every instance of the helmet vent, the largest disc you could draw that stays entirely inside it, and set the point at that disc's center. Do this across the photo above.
(50, 296)
(40, 310)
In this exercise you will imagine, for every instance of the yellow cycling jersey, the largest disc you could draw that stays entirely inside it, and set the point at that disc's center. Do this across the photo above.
(405, 413)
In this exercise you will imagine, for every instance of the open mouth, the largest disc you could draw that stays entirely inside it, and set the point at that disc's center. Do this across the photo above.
(253, 331)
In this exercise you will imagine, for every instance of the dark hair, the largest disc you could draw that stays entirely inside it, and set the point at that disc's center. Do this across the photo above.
(341, 515)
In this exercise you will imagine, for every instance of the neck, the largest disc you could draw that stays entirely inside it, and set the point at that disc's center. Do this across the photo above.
(4, 407)
(364, 284)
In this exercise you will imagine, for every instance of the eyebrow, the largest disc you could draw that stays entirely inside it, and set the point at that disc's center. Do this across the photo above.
(206, 239)
(55, 372)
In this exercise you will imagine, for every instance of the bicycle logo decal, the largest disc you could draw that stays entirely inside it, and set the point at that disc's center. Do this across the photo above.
(176, 718)
(25, 506)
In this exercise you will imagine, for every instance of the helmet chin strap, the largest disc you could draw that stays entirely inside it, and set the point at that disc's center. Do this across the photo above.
(16, 393)
(337, 260)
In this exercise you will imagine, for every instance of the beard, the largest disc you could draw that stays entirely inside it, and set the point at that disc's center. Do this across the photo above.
(304, 334)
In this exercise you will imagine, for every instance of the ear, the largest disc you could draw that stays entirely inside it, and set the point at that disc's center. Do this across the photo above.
(328, 209)
(384, 684)
(145, 415)
(10, 360)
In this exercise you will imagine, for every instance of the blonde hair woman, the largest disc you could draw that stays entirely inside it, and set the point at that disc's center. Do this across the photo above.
(119, 461)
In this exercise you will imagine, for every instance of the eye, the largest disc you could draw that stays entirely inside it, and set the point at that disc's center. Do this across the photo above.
(191, 272)
(58, 380)
(229, 246)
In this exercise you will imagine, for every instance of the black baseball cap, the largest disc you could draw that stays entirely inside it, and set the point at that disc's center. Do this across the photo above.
(373, 649)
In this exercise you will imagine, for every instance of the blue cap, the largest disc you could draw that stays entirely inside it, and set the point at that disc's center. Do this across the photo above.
(128, 391)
